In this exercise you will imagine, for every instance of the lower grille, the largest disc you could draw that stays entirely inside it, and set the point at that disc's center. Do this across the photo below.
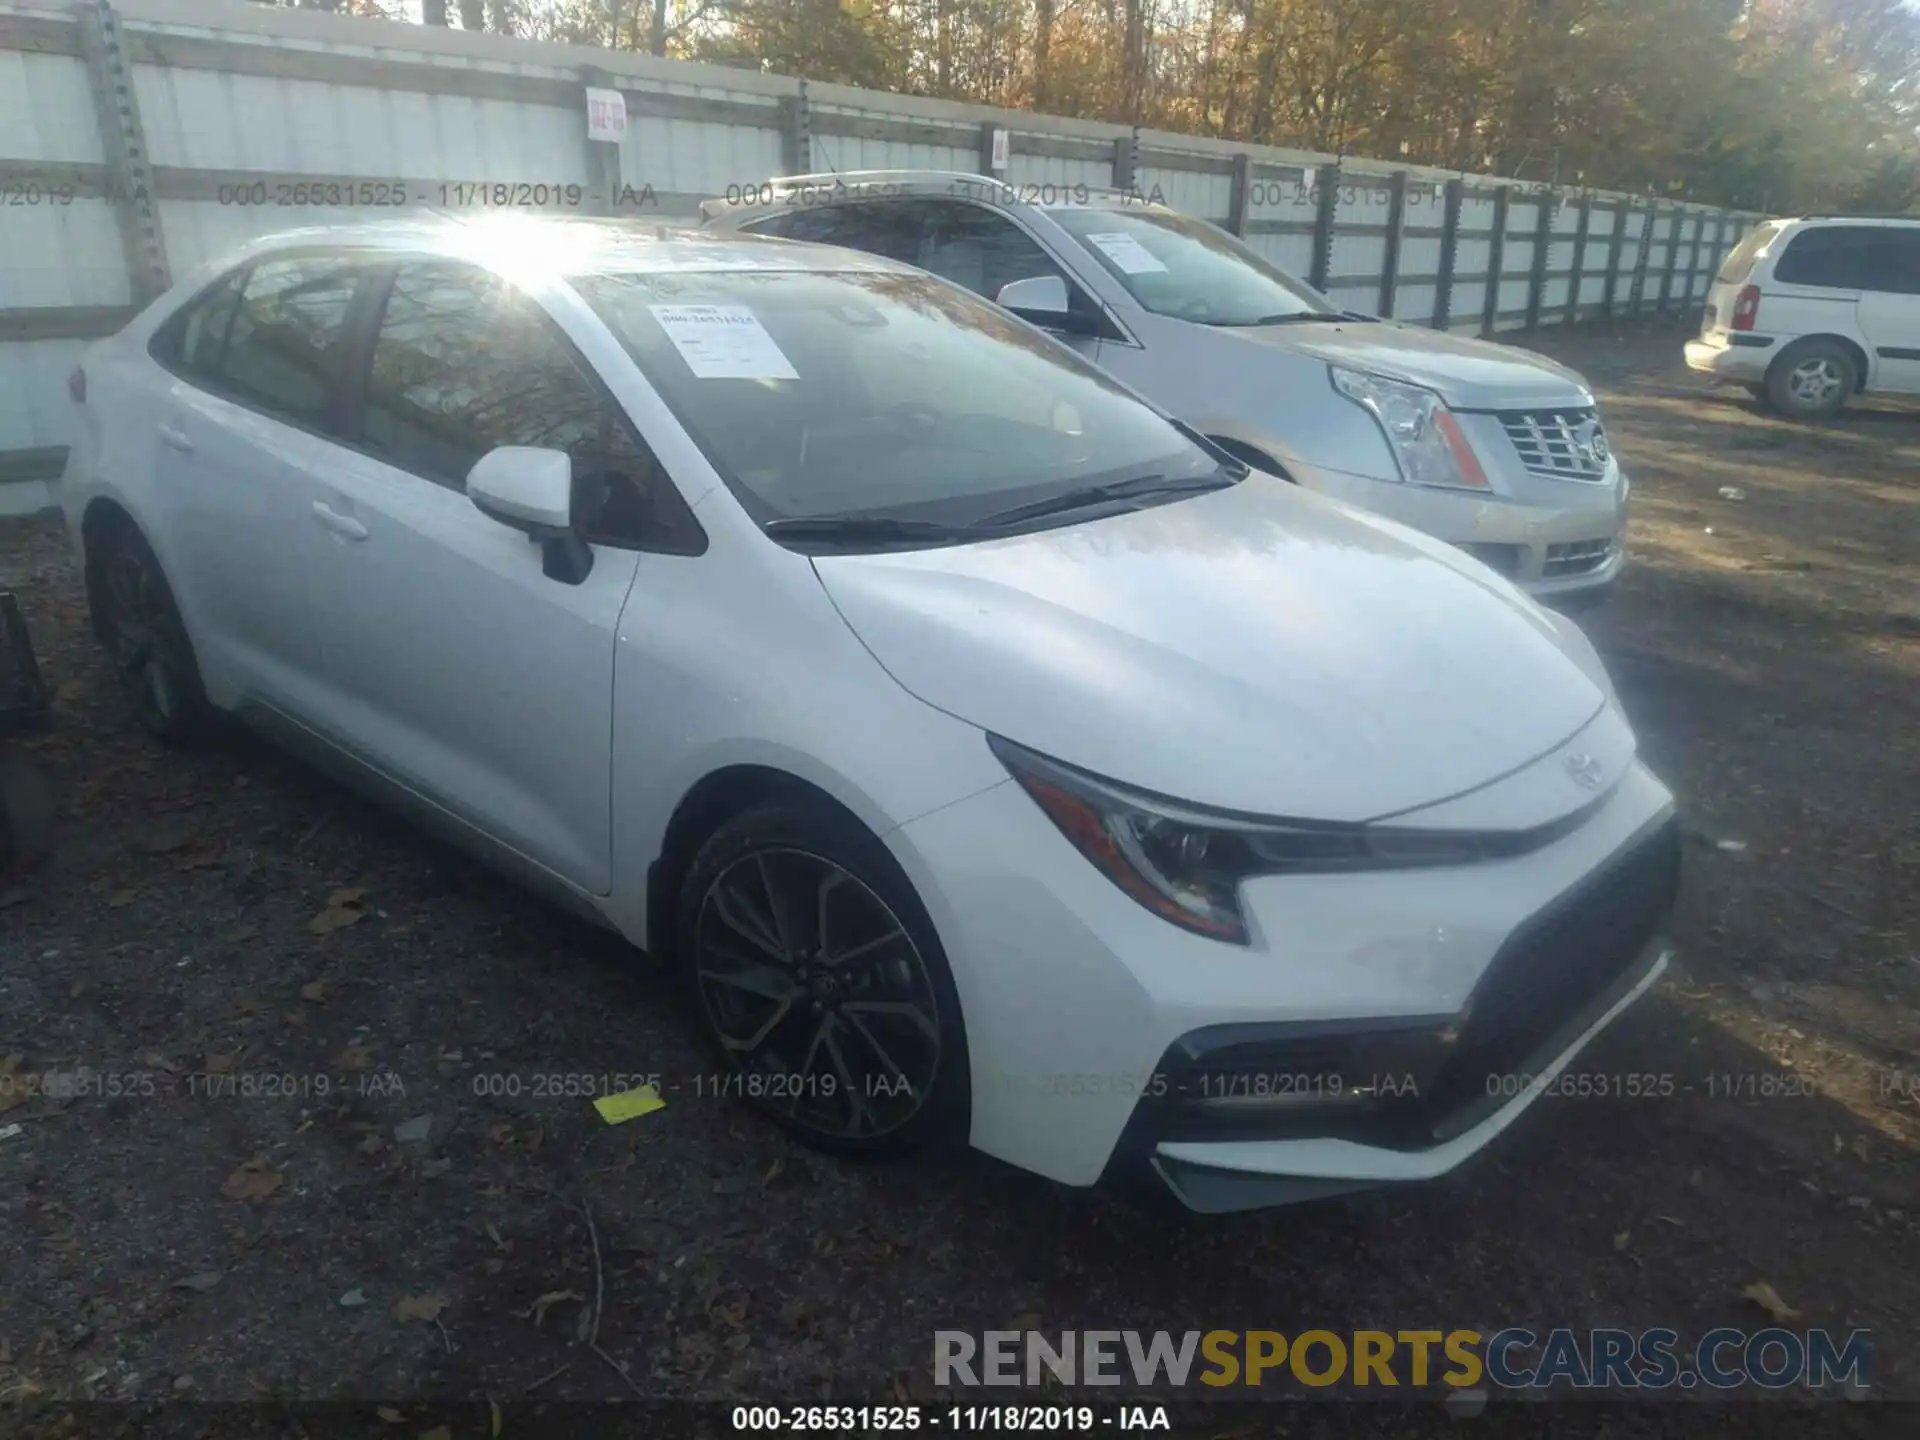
(1551, 970)
(1577, 557)
(1558, 444)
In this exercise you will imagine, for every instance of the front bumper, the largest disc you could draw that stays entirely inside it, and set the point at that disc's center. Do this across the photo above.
(1554, 537)
(1090, 1022)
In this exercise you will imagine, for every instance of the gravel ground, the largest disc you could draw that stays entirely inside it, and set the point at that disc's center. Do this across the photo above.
(214, 918)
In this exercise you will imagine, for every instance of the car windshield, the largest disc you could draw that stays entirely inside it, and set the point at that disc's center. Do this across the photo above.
(871, 394)
(1187, 269)
(1739, 264)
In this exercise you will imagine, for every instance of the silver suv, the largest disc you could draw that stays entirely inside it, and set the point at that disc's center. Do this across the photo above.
(1494, 449)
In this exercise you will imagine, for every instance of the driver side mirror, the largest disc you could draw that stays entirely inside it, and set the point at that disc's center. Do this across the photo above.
(1039, 300)
(531, 490)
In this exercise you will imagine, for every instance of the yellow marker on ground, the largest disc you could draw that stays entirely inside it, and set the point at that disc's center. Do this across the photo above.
(629, 1105)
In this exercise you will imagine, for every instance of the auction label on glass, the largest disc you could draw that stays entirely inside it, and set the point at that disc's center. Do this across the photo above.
(1126, 252)
(723, 342)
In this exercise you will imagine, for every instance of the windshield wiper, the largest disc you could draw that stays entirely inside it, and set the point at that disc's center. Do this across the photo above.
(864, 527)
(1088, 496)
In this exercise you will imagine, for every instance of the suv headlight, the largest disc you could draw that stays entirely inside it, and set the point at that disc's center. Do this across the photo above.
(1186, 864)
(1426, 440)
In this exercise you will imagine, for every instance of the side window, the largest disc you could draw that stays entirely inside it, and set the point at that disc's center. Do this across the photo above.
(981, 251)
(283, 347)
(1900, 259)
(1836, 256)
(194, 339)
(463, 362)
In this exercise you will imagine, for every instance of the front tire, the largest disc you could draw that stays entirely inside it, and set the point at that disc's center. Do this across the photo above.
(818, 979)
(135, 616)
(1812, 380)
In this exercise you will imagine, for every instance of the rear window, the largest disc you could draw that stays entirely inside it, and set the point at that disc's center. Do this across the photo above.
(1840, 257)
(1739, 264)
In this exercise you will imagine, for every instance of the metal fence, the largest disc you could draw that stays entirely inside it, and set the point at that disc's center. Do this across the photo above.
(140, 139)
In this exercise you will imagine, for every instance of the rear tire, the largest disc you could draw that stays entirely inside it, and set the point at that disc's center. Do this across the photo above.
(821, 985)
(1812, 380)
(135, 616)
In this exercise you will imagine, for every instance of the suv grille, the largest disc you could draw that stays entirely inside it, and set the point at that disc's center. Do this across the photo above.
(1558, 444)
(1576, 557)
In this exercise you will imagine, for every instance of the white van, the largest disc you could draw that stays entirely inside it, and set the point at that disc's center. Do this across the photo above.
(1807, 312)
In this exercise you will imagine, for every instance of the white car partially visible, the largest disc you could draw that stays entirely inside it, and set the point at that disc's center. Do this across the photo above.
(997, 760)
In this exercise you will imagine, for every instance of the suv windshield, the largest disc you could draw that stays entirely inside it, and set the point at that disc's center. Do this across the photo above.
(879, 395)
(1739, 264)
(1187, 269)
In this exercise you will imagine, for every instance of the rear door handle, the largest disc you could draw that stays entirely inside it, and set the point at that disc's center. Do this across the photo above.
(342, 525)
(176, 438)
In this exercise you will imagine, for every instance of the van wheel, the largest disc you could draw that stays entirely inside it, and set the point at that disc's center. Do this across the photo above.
(134, 613)
(821, 984)
(1812, 380)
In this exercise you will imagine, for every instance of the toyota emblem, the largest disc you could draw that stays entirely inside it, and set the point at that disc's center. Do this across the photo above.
(1586, 771)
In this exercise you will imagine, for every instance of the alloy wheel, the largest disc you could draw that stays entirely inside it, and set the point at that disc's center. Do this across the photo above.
(1815, 381)
(818, 994)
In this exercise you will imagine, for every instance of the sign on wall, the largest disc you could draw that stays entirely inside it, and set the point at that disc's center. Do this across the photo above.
(606, 115)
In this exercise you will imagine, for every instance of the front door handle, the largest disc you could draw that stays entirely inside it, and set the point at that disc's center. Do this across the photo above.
(176, 438)
(342, 525)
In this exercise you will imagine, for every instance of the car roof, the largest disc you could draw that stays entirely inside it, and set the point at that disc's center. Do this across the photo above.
(564, 246)
(1877, 220)
(782, 192)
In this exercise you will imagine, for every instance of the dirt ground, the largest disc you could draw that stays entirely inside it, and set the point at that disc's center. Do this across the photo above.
(165, 1237)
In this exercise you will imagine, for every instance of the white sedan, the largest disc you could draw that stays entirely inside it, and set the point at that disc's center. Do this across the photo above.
(997, 760)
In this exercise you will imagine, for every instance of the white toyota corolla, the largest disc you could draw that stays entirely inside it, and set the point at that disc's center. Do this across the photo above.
(995, 759)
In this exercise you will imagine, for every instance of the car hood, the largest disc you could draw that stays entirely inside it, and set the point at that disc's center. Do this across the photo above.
(1469, 374)
(1257, 648)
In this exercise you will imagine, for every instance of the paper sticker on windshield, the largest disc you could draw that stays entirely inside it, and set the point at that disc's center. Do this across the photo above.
(1126, 252)
(723, 342)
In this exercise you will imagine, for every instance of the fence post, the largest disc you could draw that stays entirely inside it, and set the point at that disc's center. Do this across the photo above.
(603, 156)
(1496, 261)
(1644, 258)
(1579, 258)
(1449, 253)
(1396, 224)
(796, 133)
(123, 141)
(1126, 160)
(1242, 183)
(1323, 221)
(1672, 259)
(1542, 242)
(1616, 252)
(1693, 259)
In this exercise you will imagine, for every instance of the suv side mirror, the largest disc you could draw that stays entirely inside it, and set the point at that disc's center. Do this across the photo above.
(1039, 300)
(531, 490)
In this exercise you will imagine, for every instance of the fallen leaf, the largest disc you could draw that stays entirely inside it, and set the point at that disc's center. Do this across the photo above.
(255, 1180)
(353, 1299)
(389, 1414)
(120, 899)
(219, 1064)
(343, 908)
(1622, 1240)
(1768, 1299)
(494, 1235)
(241, 933)
(414, 1131)
(355, 1057)
(537, 1312)
(159, 1062)
(419, 1307)
(164, 839)
(201, 1283)
(438, 1432)
(314, 991)
(773, 1172)
(204, 858)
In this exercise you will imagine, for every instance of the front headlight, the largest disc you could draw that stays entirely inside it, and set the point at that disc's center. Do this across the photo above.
(1426, 440)
(1186, 864)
